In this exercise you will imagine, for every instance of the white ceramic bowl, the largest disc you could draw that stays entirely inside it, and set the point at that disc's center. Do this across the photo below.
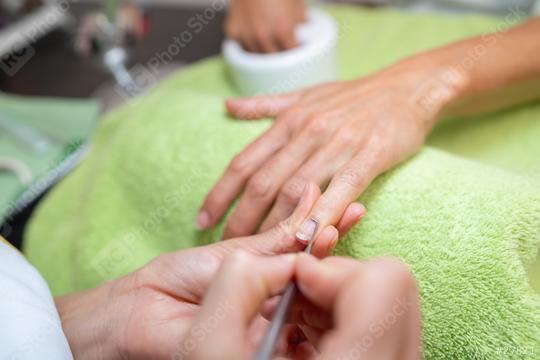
(312, 62)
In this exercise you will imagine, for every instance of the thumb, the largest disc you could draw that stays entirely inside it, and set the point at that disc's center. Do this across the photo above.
(258, 107)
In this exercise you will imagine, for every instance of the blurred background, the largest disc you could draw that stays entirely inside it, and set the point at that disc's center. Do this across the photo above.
(63, 63)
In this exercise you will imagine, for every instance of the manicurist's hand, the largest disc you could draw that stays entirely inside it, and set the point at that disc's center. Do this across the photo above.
(348, 309)
(149, 313)
(353, 310)
(264, 26)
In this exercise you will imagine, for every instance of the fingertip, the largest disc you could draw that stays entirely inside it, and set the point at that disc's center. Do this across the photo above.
(326, 242)
(204, 221)
(229, 105)
(333, 235)
(233, 106)
(352, 215)
(357, 210)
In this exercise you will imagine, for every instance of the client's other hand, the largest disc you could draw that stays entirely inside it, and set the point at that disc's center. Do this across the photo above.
(264, 26)
(147, 314)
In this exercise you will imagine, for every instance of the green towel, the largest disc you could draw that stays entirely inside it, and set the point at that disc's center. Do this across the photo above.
(464, 213)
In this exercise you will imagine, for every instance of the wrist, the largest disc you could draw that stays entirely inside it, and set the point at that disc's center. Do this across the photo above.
(88, 324)
(436, 85)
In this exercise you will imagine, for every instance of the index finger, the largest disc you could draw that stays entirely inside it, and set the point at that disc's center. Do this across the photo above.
(345, 187)
(242, 166)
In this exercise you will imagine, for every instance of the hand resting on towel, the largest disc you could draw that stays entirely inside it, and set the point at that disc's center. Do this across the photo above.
(342, 135)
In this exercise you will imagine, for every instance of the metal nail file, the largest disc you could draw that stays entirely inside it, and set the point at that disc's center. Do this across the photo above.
(270, 340)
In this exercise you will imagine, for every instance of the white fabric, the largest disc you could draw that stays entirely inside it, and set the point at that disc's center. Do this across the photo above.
(30, 327)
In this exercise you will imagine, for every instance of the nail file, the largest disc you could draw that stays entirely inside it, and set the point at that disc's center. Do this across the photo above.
(270, 340)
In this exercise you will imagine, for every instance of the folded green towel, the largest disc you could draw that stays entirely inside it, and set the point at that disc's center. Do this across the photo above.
(468, 229)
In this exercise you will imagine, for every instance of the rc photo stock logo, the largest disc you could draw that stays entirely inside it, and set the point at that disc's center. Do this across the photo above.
(12, 61)
(142, 79)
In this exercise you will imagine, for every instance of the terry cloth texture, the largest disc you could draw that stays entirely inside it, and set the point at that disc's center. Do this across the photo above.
(464, 213)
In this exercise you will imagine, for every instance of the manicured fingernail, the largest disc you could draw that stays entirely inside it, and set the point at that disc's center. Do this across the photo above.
(307, 230)
(203, 220)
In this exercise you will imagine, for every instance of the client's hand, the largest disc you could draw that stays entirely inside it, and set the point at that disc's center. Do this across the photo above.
(349, 310)
(264, 26)
(343, 134)
(148, 313)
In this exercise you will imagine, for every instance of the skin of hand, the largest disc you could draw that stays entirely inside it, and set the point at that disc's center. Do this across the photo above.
(342, 135)
(263, 26)
(350, 309)
(147, 313)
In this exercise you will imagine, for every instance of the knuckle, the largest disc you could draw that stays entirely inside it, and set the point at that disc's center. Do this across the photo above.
(317, 126)
(283, 237)
(346, 138)
(351, 177)
(235, 228)
(238, 258)
(292, 118)
(325, 207)
(283, 30)
(261, 33)
(239, 164)
(293, 189)
(260, 184)
(283, 227)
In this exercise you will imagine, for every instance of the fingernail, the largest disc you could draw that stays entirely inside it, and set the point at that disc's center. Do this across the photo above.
(203, 220)
(306, 231)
